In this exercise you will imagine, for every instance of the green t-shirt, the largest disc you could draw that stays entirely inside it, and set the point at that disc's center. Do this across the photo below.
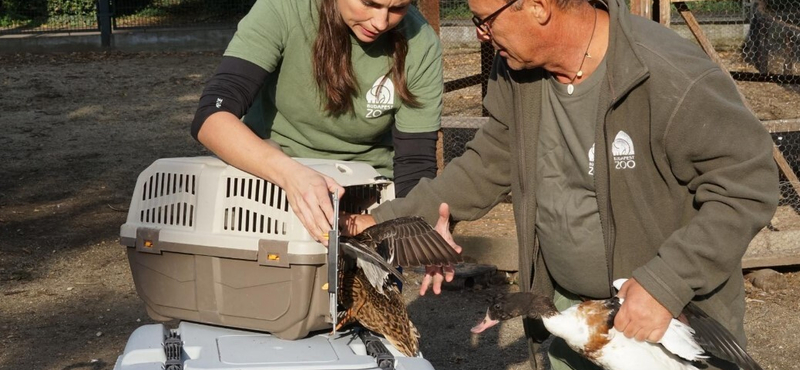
(278, 35)
(567, 218)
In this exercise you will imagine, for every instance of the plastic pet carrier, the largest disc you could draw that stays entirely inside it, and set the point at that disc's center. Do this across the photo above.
(212, 244)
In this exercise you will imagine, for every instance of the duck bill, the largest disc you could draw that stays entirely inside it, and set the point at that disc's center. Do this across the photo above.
(487, 323)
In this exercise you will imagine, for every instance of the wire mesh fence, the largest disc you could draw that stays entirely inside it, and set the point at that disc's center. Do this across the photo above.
(178, 13)
(42, 16)
(757, 40)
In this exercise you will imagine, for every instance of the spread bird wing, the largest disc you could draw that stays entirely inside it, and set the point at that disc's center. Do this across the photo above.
(410, 241)
(374, 265)
(715, 339)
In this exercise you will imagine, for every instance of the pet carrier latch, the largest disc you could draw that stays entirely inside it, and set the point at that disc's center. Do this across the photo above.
(173, 346)
(375, 348)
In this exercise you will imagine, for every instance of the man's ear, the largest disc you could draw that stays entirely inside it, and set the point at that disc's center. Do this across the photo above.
(541, 9)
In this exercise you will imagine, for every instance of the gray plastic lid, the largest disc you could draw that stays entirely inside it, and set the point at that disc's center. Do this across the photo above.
(216, 348)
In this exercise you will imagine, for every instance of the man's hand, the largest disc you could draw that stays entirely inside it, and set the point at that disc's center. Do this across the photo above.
(351, 224)
(434, 274)
(641, 316)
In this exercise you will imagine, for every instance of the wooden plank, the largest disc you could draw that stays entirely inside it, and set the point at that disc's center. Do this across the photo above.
(463, 122)
(778, 245)
(694, 27)
(782, 125)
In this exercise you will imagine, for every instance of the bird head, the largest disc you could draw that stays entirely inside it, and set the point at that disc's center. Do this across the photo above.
(510, 305)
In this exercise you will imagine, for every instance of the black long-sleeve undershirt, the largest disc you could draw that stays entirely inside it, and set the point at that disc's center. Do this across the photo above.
(236, 83)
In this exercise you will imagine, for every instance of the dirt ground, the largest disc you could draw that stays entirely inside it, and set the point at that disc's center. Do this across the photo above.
(76, 131)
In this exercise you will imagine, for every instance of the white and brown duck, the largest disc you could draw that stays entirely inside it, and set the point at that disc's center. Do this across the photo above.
(365, 290)
(691, 341)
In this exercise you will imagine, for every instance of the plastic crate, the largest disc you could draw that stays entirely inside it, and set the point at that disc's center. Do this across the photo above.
(210, 243)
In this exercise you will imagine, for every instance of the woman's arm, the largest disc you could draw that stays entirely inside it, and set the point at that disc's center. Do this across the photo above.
(217, 125)
(414, 159)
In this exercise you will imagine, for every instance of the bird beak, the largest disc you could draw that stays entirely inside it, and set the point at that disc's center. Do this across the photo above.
(485, 324)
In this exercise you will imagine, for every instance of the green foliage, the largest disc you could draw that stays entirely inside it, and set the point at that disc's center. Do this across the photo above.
(71, 7)
(449, 10)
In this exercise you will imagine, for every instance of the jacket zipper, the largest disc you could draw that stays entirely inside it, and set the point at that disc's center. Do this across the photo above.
(611, 237)
(521, 178)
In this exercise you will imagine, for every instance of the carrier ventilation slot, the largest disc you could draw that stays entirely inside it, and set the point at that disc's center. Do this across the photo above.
(359, 198)
(242, 219)
(161, 184)
(247, 220)
(173, 348)
(179, 214)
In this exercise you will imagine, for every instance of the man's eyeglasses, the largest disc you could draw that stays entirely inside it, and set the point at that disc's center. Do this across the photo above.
(483, 24)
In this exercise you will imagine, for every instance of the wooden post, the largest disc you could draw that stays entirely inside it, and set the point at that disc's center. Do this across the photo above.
(664, 12)
(487, 59)
(642, 8)
(430, 10)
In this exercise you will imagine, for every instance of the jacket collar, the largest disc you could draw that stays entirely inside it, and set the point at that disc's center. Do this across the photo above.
(625, 66)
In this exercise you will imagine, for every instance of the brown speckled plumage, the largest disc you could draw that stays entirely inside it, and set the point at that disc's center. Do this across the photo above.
(385, 314)
(406, 241)
(596, 316)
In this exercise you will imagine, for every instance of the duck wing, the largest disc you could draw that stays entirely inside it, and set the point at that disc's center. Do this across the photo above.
(410, 241)
(679, 339)
(715, 339)
(375, 266)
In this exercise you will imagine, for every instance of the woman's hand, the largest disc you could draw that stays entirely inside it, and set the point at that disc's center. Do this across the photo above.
(309, 194)
(307, 191)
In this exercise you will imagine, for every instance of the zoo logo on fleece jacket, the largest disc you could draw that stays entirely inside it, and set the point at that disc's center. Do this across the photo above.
(621, 149)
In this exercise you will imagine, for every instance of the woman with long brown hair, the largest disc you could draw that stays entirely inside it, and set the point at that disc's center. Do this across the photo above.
(340, 79)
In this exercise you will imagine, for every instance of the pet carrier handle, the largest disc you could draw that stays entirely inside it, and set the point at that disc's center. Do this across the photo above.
(333, 260)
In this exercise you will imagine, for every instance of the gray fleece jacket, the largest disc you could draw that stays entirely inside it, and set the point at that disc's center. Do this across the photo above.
(683, 171)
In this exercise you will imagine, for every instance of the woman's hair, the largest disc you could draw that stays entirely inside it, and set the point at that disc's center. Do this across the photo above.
(333, 70)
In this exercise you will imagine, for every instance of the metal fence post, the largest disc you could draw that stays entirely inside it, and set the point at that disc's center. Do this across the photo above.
(104, 21)
(487, 59)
